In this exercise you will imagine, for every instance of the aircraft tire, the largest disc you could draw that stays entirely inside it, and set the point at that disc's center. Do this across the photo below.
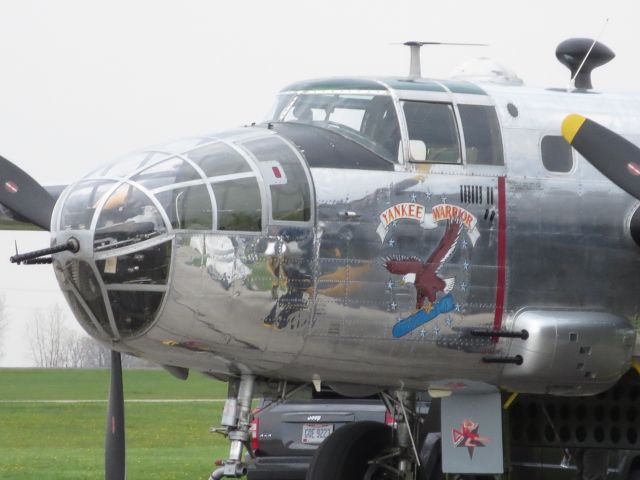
(345, 453)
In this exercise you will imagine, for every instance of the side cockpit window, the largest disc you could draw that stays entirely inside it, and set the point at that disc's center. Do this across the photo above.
(482, 138)
(239, 205)
(286, 178)
(188, 208)
(218, 159)
(556, 154)
(433, 135)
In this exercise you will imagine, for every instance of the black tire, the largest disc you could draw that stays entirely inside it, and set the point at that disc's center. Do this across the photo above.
(347, 451)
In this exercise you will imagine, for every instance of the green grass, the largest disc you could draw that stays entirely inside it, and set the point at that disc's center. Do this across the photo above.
(65, 441)
(67, 384)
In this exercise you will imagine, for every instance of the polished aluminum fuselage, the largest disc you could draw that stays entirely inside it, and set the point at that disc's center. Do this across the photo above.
(319, 303)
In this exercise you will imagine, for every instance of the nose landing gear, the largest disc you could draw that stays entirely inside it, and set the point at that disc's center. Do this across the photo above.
(236, 423)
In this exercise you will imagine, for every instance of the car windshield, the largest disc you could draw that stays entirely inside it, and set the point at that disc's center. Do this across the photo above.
(369, 120)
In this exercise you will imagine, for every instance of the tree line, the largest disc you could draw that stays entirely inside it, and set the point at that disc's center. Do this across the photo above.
(53, 345)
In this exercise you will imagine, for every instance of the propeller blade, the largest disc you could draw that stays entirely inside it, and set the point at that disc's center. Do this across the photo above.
(114, 448)
(616, 157)
(26, 197)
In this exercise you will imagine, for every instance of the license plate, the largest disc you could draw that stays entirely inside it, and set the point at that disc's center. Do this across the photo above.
(316, 432)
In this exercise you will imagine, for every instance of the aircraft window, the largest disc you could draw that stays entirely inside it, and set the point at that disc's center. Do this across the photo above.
(173, 170)
(81, 314)
(81, 203)
(556, 154)
(348, 116)
(86, 283)
(134, 311)
(290, 197)
(239, 205)
(219, 159)
(281, 103)
(149, 266)
(184, 144)
(188, 208)
(124, 166)
(369, 120)
(127, 217)
(482, 138)
(434, 125)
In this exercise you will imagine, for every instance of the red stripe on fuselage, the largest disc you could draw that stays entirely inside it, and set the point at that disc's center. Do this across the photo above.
(502, 253)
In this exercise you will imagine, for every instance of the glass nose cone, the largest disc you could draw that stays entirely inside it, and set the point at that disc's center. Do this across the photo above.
(116, 283)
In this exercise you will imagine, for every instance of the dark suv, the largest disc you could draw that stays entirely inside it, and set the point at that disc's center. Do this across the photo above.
(286, 436)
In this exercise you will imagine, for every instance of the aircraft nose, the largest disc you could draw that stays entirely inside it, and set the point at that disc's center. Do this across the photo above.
(116, 282)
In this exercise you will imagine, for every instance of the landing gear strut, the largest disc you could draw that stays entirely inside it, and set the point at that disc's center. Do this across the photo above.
(236, 423)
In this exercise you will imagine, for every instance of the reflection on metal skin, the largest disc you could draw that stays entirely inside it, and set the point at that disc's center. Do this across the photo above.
(320, 289)
(567, 348)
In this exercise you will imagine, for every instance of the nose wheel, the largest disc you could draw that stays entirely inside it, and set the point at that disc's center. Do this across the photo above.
(347, 453)
(373, 451)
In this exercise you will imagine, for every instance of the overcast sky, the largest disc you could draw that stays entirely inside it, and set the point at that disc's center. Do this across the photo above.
(86, 81)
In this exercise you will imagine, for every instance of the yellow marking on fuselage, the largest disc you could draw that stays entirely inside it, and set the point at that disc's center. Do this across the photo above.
(571, 126)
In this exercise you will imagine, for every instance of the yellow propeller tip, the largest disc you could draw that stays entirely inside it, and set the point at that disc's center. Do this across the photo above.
(571, 125)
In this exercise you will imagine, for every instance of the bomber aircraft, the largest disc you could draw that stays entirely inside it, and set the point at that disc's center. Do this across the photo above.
(388, 235)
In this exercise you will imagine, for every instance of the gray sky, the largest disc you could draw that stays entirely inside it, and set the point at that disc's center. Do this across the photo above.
(86, 81)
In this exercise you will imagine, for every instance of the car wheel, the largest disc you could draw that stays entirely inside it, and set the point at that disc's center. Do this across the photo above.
(345, 454)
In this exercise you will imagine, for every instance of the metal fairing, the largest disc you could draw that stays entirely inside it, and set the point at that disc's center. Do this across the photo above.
(389, 272)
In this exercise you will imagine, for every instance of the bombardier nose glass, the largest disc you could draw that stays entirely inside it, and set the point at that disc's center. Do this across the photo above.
(131, 250)
(125, 215)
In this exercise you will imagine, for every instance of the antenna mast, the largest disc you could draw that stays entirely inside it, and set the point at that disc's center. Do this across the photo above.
(414, 66)
(415, 70)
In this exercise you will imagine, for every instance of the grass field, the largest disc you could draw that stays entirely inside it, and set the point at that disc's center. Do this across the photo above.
(52, 440)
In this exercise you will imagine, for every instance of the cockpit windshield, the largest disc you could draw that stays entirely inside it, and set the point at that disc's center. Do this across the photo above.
(369, 120)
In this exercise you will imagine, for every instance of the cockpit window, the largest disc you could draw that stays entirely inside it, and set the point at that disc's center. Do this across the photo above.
(482, 139)
(290, 196)
(369, 120)
(239, 205)
(219, 159)
(81, 204)
(127, 217)
(433, 136)
(128, 164)
(188, 208)
(149, 267)
(134, 311)
(87, 286)
(173, 170)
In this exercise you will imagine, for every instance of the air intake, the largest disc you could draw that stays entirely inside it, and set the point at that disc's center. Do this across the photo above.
(572, 52)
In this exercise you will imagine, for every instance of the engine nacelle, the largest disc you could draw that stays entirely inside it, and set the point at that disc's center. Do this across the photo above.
(569, 352)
